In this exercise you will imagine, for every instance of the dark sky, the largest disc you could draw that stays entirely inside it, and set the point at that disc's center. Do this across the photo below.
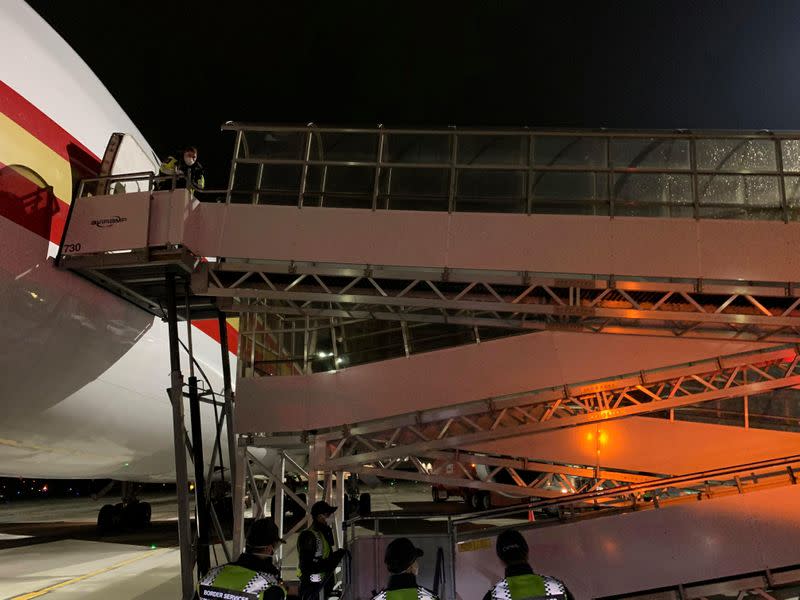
(180, 69)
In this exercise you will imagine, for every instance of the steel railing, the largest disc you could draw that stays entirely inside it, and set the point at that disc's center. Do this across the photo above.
(146, 181)
(713, 174)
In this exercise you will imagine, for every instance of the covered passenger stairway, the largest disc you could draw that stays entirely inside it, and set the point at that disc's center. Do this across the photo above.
(383, 279)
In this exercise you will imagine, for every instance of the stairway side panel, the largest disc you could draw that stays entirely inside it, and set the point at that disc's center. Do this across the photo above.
(455, 375)
(650, 445)
(632, 246)
(655, 548)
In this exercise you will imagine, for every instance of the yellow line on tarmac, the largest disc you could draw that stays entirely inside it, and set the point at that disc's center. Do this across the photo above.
(46, 590)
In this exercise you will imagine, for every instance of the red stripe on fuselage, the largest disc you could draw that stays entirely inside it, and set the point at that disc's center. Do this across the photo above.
(211, 329)
(47, 131)
(36, 209)
(39, 210)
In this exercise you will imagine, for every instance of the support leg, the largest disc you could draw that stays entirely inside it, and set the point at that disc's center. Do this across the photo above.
(316, 456)
(201, 505)
(233, 454)
(238, 501)
(280, 476)
(179, 436)
(340, 515)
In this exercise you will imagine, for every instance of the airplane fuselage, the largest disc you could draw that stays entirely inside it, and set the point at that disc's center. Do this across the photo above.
(84, 373)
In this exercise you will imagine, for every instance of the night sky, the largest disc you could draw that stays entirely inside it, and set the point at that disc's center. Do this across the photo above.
(180, 69)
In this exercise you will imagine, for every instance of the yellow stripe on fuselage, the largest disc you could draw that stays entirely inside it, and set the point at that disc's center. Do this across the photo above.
(18, 148)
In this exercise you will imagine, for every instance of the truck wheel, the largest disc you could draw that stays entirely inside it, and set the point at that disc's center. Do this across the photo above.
(475, 500)
(485, 501)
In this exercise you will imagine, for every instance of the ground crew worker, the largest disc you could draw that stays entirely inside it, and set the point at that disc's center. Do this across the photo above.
(317, 559)
(189, 173)
(520, 580)
(401, 560)
(252, 576)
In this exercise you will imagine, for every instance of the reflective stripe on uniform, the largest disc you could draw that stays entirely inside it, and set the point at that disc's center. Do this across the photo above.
(239, 579)
(520, 587)
(168, 167)
(418, 593)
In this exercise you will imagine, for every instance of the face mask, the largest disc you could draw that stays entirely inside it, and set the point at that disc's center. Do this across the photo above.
(189, 160)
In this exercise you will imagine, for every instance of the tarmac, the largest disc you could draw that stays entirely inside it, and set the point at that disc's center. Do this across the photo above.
(52, 547)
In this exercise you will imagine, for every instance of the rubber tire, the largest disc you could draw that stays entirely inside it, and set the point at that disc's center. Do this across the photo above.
(107, 518)
(142, 513)
(485, 501)
(122, 516)
(475, 500)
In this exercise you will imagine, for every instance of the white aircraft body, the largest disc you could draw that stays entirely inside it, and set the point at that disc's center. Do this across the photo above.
(83, 373)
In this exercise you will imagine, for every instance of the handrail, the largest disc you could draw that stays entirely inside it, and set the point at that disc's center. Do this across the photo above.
(673, 174)
(657, 484)
(521, 131)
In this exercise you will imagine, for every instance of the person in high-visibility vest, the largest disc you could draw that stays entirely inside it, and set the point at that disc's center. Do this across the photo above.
(188, 172)
(252, 576)
(317, 558)
(401, 561)
(520, 581)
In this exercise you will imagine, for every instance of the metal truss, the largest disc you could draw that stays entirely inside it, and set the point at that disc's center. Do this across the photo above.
(262, 481)
(747, 311)
(424, 434)
(195, 543)
(479, 471)
(529, 478)
(660, 492)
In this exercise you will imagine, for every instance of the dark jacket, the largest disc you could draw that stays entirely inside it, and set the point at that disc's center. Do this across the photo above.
(307, 548)
(185, 173)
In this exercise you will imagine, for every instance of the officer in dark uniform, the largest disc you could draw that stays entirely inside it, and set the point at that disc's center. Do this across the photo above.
(520, 581)
(317, 558)
(401, 561)
(189, 173)
(252, 576)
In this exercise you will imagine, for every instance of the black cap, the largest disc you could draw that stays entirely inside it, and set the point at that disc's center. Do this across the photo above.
(400, 553)
(263, 532)
(322, 508)
(511, 546)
